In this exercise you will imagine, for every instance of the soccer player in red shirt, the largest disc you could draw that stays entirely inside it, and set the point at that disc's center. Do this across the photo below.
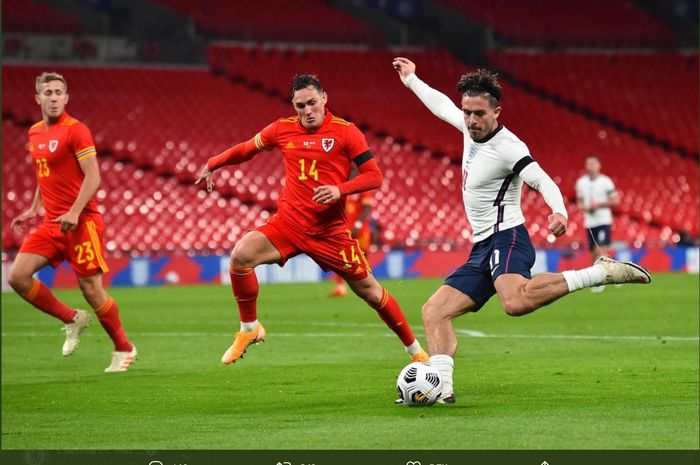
(358, 209)
(68, 176)
(318, 150)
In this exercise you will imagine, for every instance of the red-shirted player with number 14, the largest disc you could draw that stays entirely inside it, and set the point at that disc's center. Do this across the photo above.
(318, 149)
(68, 177)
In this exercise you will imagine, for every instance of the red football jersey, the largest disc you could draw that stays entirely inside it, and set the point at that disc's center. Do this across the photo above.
(312, 159)
(55, 152)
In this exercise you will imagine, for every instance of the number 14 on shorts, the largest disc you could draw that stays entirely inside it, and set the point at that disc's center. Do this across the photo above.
(354, 257)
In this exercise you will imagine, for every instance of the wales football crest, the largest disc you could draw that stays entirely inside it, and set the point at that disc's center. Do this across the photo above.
(327, 144)
(53, 145)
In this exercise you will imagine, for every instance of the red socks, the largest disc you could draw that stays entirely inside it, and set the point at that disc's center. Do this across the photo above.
(42, 298)
(108, 314)
(245, 289)
(390, 312)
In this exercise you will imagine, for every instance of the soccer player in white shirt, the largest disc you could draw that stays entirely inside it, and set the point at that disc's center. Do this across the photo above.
(595, 194)
(494, 165)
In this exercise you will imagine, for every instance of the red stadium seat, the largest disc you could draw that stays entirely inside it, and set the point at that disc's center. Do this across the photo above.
(158, 127)
(553, 23)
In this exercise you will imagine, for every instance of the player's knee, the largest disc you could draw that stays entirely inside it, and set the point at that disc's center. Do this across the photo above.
(242, 258)
(515, 306)
(429, 313)
(20, 282)
(91, 295)
(368, 290)
(372, 295)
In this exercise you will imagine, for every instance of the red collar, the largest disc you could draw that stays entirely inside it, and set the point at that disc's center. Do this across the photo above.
(61, 119)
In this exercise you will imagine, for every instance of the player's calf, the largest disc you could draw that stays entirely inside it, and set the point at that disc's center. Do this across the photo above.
(390, 312)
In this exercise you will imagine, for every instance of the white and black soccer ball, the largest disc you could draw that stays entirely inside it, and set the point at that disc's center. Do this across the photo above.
(419, 385)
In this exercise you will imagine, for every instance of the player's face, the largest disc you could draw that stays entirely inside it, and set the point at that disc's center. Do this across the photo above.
(592, 166)
(52, 98)
(310, 105)
(480, 116)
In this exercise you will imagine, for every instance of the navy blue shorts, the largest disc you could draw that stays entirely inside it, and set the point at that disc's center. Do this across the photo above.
(508, 251)
(599, 234)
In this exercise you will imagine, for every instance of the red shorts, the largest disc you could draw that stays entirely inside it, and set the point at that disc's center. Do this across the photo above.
(337, 252)
(82, 247)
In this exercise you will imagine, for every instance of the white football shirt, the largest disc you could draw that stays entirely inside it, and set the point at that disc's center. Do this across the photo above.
(491, 189)
(597, 190)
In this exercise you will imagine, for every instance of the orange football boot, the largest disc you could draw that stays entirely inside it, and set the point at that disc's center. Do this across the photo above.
(241, 343)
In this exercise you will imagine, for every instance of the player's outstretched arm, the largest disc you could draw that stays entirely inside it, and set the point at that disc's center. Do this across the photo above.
(535, 177)
(235, 155)
(437, 102)
(19, 222)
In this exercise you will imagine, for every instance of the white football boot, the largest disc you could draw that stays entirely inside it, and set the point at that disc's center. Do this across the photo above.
(622, 272)
(73, 330)
(122, 360)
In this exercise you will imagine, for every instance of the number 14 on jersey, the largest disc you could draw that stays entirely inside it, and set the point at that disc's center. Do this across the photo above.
(312, 171)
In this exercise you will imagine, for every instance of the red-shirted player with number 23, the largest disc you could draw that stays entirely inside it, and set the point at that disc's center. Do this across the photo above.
(68, 177)
(318, 149)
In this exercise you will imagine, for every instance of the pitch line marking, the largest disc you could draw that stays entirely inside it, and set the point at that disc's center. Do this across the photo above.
(466, 332)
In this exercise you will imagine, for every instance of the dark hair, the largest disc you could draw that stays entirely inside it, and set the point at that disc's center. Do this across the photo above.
(302, 81)
(483, 83)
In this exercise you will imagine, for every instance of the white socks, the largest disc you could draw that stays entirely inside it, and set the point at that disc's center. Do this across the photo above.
(414, 348)
(446, 366)
(587, 277)
(248, 327)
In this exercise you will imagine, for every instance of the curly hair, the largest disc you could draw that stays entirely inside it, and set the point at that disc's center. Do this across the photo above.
(302, 81)
(481, 82)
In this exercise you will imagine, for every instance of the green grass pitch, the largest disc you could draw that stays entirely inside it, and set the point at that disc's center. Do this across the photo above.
(592, 371)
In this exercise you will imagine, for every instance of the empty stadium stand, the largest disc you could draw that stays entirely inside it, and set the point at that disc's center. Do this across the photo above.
(155, 127)
(553, 23)
(272, 20)
(652, 94)
(38, 17)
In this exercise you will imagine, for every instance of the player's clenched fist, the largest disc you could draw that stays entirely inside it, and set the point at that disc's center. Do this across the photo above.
(326, 194)
(557, 224)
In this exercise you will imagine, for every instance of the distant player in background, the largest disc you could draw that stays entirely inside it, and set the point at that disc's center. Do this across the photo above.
(495, 163)
(68, 177)
(318, 149)
(595, 194)
(358, 209)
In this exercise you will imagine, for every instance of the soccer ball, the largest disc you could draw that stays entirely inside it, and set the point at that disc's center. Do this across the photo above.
(419, 384)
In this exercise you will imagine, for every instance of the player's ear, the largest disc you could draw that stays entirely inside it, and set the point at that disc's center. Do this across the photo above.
(36, 99)
(324, 97)
(67, 98)
(496, 112)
